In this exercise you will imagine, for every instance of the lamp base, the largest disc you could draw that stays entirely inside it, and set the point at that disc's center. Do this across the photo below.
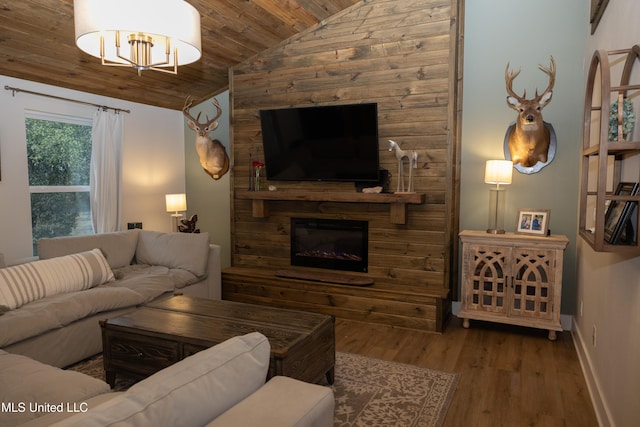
(175, 221)
(496, 210)
(494, 231)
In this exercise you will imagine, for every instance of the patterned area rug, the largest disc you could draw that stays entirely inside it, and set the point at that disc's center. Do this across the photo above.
(373, 392)
(369, 392)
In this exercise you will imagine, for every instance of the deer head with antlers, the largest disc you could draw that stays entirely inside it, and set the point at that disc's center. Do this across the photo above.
(529, 141)
(212, 154)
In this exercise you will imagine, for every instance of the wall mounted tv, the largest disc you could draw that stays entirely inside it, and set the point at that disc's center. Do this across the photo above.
(326, 143)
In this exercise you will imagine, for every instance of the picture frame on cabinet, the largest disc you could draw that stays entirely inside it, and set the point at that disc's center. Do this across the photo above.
(533, 221)
(617, 218)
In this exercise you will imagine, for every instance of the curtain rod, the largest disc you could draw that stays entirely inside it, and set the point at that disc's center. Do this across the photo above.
(104, 107)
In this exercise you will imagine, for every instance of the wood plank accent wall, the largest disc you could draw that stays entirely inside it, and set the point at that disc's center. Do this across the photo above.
(401, 54)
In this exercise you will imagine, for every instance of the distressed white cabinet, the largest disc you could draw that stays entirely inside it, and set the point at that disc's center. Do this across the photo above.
(512, 278)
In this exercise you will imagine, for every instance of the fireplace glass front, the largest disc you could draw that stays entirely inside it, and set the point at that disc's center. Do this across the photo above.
(329, 243)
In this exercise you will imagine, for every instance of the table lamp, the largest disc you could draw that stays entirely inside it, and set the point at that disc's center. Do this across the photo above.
(497, 172)
(176, 203)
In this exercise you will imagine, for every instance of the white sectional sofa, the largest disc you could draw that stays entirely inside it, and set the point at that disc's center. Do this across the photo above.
(220, 386)
(50, 307)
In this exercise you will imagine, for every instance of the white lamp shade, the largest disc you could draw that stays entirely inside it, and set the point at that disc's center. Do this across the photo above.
(176, 202)
(160, 19)
(498, 172)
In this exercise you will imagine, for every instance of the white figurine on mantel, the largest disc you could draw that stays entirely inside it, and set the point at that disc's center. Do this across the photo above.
(372, 190)
(412, 160)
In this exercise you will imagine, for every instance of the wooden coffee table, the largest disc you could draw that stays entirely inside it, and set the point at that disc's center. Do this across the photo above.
(161, 333)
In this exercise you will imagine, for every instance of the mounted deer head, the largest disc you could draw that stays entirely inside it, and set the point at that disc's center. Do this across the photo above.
(212, 154)
(529, 142)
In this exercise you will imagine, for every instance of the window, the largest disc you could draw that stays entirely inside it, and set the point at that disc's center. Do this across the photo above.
(59, 157)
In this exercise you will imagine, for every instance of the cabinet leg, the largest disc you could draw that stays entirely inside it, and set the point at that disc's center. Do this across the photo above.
(552, 335)
(465, 323)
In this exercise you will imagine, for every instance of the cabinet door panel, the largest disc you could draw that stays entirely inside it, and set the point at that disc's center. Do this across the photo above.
(488, 276)
(532, 287)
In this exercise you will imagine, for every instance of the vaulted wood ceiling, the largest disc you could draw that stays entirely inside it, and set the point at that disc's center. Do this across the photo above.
(37, 44)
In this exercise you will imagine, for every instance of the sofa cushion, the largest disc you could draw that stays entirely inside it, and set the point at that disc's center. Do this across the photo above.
(24, 381)
(28, 282)
(136, 276)
(118, 247)
(186, 251)
(58, 311)
(191, 392)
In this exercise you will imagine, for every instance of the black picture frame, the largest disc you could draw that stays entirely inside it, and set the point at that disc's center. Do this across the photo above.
(618, 215)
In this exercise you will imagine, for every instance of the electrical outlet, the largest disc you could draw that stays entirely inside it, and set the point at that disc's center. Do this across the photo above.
(593, 336)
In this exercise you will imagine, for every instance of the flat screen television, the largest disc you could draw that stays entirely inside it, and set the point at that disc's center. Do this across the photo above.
(327, 143)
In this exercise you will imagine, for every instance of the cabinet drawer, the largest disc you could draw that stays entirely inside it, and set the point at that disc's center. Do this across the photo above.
(189, 349)
(138, 354)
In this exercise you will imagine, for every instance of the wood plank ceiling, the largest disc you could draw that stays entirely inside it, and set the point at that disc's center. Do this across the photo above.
(37, 44)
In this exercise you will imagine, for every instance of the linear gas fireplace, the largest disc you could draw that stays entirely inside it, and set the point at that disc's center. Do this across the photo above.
(330, 243)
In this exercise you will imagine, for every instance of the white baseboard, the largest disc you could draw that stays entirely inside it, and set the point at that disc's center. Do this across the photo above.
(566, 320)
(599, 405)
(455, 307)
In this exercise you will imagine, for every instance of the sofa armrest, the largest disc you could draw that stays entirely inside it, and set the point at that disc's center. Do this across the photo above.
(282, 402)
(190, 392)
(214, 272)
(211, 286)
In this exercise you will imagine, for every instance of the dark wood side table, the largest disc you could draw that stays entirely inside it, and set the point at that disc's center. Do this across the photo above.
(161, 333)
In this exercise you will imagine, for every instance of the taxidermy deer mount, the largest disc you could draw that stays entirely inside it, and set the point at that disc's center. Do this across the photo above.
(212, 154)
(529, 141)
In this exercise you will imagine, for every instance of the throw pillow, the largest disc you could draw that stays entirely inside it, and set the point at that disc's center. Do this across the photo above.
(187, 251)
(28, 282)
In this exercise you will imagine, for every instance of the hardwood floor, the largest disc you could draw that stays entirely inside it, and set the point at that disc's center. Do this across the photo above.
(509, 376)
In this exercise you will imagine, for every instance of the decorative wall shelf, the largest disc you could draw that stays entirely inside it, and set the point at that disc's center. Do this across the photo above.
(397, 210)
(598, 151)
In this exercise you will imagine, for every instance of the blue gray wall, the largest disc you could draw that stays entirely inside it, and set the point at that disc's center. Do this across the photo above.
(524, 34)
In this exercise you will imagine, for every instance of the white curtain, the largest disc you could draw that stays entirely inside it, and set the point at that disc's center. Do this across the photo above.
(106, 172)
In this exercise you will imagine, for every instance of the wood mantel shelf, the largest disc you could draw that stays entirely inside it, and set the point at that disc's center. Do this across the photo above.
(398, 201)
